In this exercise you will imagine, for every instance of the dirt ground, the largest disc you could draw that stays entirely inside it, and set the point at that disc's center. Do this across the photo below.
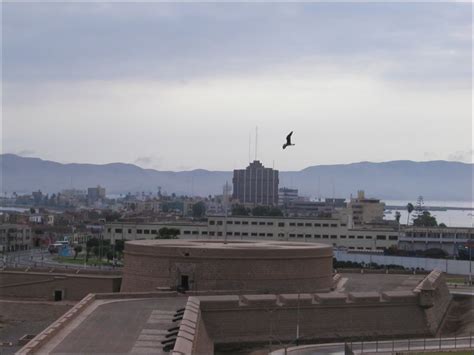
(18, 318)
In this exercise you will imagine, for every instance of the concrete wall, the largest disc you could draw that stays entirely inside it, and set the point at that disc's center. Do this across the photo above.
(42, 285)
(232, 321)
(458, 267)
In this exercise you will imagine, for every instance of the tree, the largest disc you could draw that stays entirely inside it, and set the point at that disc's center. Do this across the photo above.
(77, 250)
(168, 233)
(442, 225)
(119, 247)
(410, 209)
(239, 210)
(266, 211)
(397, 216)
(32, 210)
(90, 245)
(425, 220)
(199, 209)
(419, 208)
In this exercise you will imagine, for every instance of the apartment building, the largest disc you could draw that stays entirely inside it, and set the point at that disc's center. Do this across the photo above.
(15, 237)
(331, 231)
(365, 210)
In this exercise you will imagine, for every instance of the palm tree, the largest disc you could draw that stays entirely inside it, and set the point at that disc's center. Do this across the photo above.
(410, 209)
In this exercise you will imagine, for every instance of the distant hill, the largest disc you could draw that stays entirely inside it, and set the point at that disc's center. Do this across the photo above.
(435, 180)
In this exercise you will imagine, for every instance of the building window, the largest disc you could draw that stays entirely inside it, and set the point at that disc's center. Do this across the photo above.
(307, 236)
(254, 234)
(281, 224)
(343, 225)
(269, 223)
(261, 223)
(212, 222)
(245, 234)
(237, 222)
(219, 223)
(318, 236)
(230, 222)
(317, 224)
(146, 231)
(195, 232)
(325, 225)
(292, 224)
(186, 232)
(333, 225)
(261, 234)
(333, 236)
(229, 233)
(237, 233)
(139, 231)
(219, 234)
(325, 236)
(254, 223)
(381, 237)
(118, 230)
(292, 235)
(212, 233)
(269, 234)
(299, 224)
(153, 231)
(245, 222)
(307, 224)
(342, 237)
(360, 237)
(204, 232)
(351, 237)
(368, 237)
(393, 237)
(129, 231)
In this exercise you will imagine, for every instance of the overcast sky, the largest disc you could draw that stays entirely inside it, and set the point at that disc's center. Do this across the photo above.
(181, 86)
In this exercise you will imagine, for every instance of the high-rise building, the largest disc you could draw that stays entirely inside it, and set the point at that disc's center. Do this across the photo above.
(95, 194)
(256, 185)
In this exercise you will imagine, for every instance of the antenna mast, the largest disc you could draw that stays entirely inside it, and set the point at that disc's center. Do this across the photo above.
(256, 141)
(250, 139)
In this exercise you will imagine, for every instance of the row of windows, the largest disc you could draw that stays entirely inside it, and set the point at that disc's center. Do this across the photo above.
(280, 224)
(254, 234)
(439, 235)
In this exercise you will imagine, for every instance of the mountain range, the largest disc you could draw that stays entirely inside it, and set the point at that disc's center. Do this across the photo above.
(395, 180)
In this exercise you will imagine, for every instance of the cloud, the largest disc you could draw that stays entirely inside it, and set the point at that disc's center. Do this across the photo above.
(176, 42)
(26, 153)
(462, 156)
(430, 155)
(148, 162)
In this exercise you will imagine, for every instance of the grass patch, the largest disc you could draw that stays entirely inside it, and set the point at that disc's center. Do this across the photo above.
(80, 260)
(456, 280)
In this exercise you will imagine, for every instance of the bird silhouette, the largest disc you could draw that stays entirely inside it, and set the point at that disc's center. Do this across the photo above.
(288, 140)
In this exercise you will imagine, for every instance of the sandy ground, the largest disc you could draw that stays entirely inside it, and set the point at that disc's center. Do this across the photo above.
(18, 318)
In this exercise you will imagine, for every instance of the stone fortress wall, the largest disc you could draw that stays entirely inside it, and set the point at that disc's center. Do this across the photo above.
(251, 319)
(235, 267)
(43, 283)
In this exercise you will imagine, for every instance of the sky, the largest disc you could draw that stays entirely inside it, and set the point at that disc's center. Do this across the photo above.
(183, 86)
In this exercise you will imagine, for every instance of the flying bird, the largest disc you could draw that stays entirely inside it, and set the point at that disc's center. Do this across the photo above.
(288, 140)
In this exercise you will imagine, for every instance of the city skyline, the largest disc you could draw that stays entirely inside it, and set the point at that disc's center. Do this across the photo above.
(170, 86)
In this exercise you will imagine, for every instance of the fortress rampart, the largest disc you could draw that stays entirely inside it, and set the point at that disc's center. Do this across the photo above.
(250, 319)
